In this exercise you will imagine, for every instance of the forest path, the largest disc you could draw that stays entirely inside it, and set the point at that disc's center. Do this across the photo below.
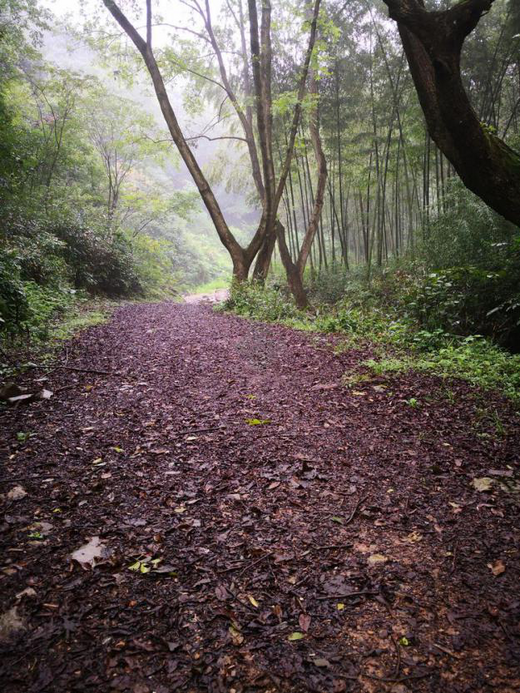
(312, 537)
(216, 296)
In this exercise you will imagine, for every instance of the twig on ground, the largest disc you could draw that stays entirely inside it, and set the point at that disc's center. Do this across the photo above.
(353, 513)
(397, 668)
(445, 650)
(401, 679)
(360, 593)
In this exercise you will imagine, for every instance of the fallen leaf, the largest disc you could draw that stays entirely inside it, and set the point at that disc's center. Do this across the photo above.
(236, 636)
(139, 567)
(497, 568)
(414, 537)
(87, 554)
(340, 606)
(296, 636)
(252, 600)
(376, 558)
(221, 593)
(257, 422)
(17, 493)
(10, 622)
(305, 621)
(321, 662)
(482, 484)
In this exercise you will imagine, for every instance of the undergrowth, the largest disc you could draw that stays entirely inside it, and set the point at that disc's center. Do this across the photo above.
(52, 316)
(401, 342)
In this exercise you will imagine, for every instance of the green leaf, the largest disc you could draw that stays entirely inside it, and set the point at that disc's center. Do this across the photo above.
(257, 422)
(296, 636)
(35, 535)
(135, 566)
(337, 519)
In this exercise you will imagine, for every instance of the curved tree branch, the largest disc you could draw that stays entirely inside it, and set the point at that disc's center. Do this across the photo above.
(433, 42)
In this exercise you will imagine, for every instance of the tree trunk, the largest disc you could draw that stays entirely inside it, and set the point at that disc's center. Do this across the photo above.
(264, 257)
(294, 278)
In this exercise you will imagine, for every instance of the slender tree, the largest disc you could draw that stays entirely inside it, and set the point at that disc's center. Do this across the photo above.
(242, 258)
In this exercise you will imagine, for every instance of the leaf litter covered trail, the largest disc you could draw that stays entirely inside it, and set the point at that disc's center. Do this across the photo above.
(221, 514)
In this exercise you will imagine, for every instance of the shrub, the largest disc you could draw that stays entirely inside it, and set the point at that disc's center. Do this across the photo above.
(13, 298)
(250, 299)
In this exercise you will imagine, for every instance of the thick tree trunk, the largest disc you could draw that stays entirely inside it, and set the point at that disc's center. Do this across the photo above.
(265, 255)
(294, 278)
(433, 42)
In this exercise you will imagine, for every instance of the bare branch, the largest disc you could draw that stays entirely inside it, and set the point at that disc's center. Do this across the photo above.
(214, 139)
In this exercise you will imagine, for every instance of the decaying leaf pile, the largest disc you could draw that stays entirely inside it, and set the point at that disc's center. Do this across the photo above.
(215, 511)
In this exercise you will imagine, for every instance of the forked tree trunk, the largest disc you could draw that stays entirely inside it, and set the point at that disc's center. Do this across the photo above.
(294, 278)
(295, 270)
(264, 257)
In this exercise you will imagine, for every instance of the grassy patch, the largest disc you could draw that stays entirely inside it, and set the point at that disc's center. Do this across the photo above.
(81, 318)
(400, 343)
(208, 287)
(42, 343)
(473, 359)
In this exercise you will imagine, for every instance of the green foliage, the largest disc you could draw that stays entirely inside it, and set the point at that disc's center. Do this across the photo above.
(469, 282)
(208, 287)
(82, 204)
(467, 300)
(45, 303)
(250, 299)
(475, 360)
(13, 299)
(330, 285)
(376, 315)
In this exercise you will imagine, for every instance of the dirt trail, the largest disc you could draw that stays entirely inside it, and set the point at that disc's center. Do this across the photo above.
(312, 537)
(216, 296)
